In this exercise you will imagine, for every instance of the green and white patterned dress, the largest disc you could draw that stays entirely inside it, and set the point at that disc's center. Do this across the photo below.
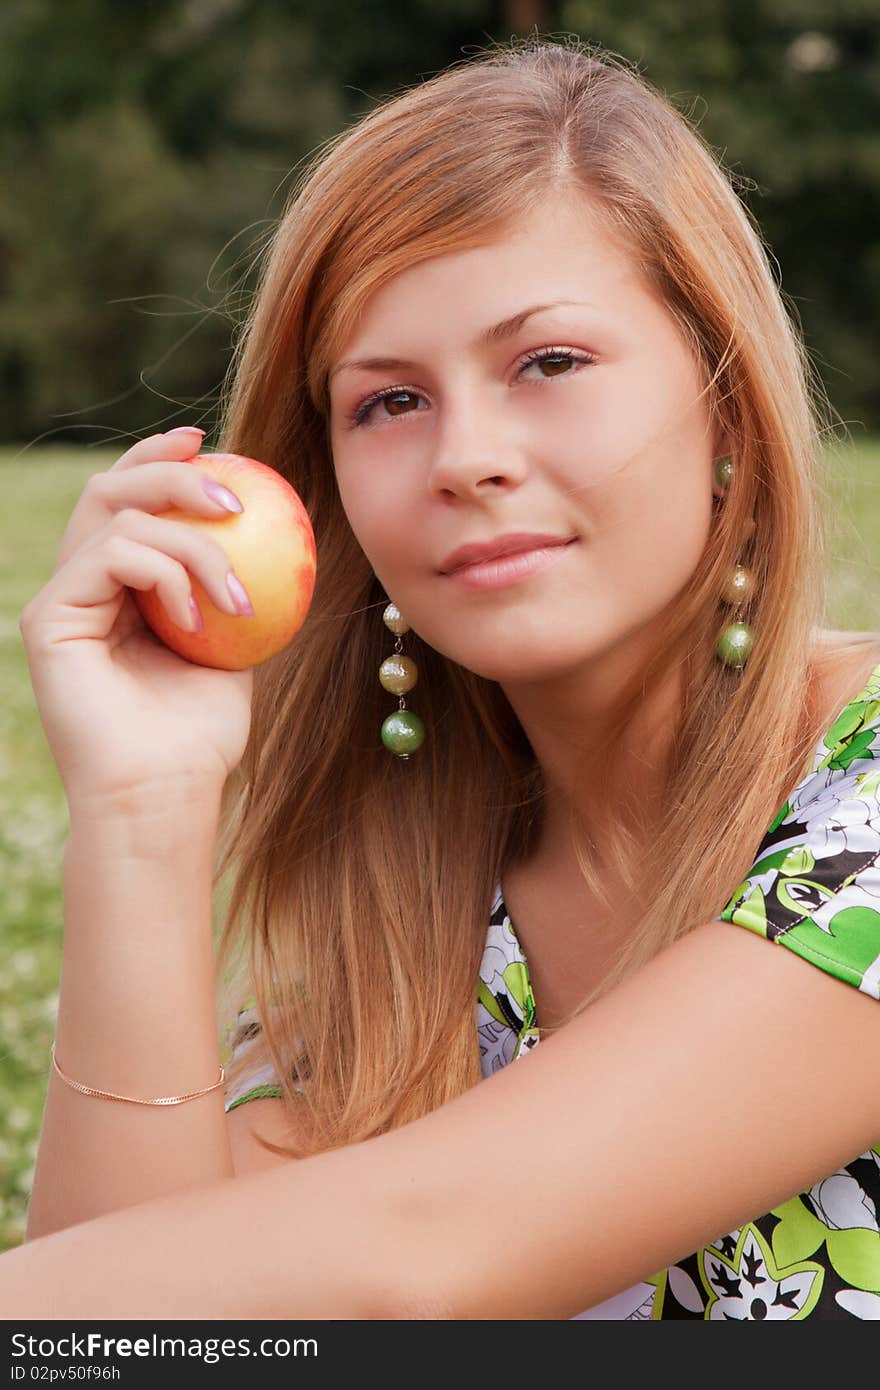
(814, 887)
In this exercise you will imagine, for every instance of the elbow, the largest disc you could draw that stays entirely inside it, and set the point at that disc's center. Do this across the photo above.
(393, 1294)
(429, 1305)
(423, 1278)
(429, 1269)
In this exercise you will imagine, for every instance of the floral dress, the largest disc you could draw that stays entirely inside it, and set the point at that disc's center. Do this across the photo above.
(814, 887)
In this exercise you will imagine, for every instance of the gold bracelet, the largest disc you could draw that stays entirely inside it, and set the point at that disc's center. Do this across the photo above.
(109, 1095)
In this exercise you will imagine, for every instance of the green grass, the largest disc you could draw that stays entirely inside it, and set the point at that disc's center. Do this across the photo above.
(854, 538)
(40, 488)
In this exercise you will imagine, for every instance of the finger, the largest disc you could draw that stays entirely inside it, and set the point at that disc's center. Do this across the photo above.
(152, 487)
(83, 601)
(203, 557)
(180, 443)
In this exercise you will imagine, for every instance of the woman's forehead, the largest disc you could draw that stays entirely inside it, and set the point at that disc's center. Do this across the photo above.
(543, 260)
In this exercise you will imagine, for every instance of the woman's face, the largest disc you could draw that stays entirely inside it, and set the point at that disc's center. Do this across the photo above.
(609, 442)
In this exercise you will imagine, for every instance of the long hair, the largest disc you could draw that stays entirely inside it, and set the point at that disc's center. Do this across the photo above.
(362, 883)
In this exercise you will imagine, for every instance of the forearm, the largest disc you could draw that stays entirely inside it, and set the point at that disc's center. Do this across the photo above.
(136, 1016)
(428, 1220)
(307, 1240)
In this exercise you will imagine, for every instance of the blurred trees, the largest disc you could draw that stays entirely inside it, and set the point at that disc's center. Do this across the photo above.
(146, 151)
(788, 92)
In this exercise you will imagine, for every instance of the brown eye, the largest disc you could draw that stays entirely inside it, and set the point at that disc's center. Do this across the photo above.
(559, 361)
(554, 362)
(396, 396)
(395, 400)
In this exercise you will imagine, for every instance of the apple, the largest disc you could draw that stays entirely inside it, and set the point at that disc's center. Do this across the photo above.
(271, 547)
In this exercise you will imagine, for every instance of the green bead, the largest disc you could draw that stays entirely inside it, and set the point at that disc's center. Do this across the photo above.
(735, 643)
(403, 732)
(724, 472)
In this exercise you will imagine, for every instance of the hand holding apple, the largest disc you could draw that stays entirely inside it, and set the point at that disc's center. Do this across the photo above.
(271, 547)
(145, 708)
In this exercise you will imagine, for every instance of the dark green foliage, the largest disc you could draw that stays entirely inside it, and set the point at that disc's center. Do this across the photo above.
(146, 151)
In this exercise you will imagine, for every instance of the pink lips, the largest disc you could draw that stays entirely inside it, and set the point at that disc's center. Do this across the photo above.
(503, 570)
(512, 543)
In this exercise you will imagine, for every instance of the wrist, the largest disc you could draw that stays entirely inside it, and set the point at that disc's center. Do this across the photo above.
(134, 1100)
(148, 820)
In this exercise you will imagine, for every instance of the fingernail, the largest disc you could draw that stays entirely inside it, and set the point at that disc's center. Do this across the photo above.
(239, 594)
(186, 429)
(221, 495)
(196, 615)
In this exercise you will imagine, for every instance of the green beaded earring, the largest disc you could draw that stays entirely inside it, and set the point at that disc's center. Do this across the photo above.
(737, 639)
(402, 732)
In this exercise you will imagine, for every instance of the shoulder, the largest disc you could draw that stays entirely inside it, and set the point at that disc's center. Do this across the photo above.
(814, 885)
(844, 662)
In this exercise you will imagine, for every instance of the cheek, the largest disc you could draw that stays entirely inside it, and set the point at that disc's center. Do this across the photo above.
(378, 526)
(361, 504)
(594, 440)
(651, 534)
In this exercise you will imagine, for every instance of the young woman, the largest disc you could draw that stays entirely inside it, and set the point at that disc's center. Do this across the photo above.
(516, 310)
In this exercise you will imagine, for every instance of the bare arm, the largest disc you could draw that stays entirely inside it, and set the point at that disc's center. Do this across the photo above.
(723, 1078)
(136, 1015)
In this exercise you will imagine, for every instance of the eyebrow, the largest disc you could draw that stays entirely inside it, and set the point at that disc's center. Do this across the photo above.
(496, 334)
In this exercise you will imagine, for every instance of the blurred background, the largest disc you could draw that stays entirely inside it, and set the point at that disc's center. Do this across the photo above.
(145, 154)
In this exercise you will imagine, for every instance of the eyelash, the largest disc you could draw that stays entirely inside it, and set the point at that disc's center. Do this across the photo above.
(359, 414)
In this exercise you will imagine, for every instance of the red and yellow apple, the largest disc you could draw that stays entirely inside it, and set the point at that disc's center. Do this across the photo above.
(271, 547)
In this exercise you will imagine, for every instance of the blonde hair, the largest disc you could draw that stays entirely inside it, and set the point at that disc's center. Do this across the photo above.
(360, 903)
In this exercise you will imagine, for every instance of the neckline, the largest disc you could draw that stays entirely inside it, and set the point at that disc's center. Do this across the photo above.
(823, 753)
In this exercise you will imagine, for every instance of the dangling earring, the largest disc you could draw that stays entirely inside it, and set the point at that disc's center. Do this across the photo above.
(402, 732)
(737, 639)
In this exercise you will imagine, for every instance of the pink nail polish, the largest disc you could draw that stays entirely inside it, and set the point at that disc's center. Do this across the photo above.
(221, 495)
(186, 429)
(239, 595)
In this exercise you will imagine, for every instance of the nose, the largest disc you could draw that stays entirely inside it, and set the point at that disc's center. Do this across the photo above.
(473, 451)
